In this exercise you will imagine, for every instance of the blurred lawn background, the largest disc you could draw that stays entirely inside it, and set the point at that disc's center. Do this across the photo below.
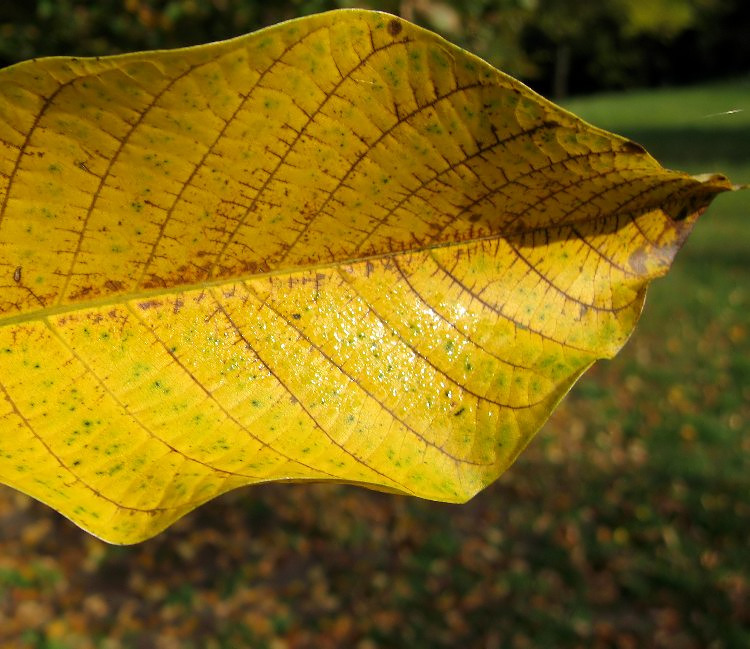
(625, 523)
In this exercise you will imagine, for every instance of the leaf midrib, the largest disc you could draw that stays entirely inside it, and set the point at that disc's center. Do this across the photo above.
(146, 294)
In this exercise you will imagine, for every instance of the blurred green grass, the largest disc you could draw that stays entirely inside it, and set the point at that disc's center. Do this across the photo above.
(694, 327)
(681, 388)
(625, 523)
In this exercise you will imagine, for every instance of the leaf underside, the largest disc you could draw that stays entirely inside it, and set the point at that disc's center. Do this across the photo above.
(336, 249)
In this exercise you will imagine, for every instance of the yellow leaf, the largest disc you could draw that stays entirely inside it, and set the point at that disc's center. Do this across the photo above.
(336, 249)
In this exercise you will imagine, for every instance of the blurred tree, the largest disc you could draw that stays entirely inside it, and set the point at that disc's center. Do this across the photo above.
(558, 46)
(610, 43)
(491, 29)
(81, 27)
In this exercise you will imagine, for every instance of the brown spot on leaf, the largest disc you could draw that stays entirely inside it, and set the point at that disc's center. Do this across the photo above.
(632, 147)
(394, 27)
(113, 285)
(150, 304)
(82, 292)
(17, 275)
(682, 214)
(155, 282)
(692, 205)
